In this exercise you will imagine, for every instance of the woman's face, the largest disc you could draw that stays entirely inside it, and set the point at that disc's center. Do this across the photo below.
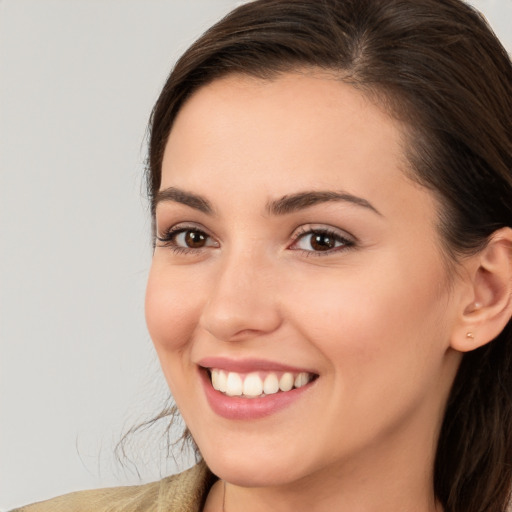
(293, 250)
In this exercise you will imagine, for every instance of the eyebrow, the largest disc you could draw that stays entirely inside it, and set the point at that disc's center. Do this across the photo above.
(282, 206)
(187, 198)
(299, 201)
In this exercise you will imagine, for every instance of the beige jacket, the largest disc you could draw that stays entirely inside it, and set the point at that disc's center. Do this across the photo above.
(185, 492)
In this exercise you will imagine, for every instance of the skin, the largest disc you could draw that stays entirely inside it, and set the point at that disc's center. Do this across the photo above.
(374, 319)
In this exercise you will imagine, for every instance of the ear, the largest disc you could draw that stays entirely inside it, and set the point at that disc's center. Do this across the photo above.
(486, 307)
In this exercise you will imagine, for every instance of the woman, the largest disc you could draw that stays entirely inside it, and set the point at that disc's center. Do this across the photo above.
(331, 288)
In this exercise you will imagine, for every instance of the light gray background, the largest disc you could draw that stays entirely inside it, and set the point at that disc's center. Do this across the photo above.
(78, 79)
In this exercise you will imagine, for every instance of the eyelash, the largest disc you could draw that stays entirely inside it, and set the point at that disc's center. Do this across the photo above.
(168, 239)
(346, 242)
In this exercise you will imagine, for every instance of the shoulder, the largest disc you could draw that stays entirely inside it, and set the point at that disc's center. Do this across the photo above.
(184, 492)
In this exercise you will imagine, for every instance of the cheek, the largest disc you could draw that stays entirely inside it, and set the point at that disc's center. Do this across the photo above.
(362, 317)
(172, 309)
(380, 331)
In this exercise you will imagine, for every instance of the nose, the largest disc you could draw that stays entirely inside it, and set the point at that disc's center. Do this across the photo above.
(242, 303)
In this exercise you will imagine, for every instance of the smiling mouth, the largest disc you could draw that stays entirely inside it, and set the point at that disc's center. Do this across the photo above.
(257, 384)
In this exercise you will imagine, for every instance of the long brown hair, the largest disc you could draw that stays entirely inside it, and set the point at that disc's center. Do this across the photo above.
(437, 66)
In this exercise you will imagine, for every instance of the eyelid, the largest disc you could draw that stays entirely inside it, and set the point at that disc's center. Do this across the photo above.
(180, 226)
(168, 235)
(349, 240)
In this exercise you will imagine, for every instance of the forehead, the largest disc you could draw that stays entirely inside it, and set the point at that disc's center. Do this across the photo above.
(308, 97)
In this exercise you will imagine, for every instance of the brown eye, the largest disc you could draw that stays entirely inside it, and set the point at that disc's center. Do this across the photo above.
(322, 242)
(183, 239)
(195, 239)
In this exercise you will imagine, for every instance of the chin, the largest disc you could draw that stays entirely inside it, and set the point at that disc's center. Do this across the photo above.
(257, 464)
(250, 473)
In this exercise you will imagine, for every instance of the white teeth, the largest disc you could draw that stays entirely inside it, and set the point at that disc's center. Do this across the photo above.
(219, 380)
(223, 381)
(215, 379)
(234, 384)
(271, 384)
(301, 380)
(286, 382)
(253, 385)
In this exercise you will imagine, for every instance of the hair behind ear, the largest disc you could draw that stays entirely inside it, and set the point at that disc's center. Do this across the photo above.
(475, 445)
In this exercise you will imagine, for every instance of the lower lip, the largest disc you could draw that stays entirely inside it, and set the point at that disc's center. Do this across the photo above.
(237, 408)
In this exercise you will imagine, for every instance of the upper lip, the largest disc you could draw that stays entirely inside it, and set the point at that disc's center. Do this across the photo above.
(249, 365)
